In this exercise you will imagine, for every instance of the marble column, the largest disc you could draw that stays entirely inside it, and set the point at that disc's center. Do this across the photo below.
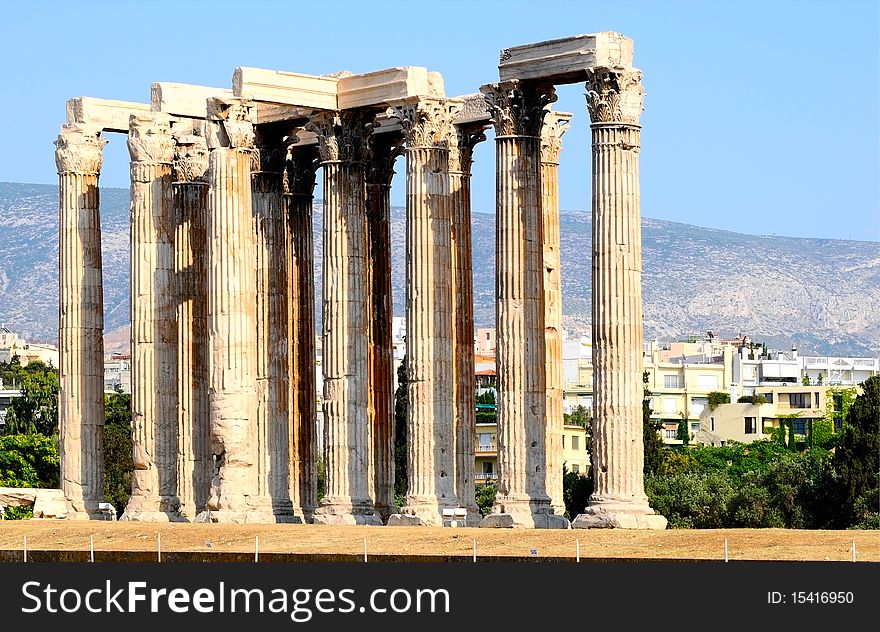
(555, 125)
(81, 320)
(232, 325)
(273, 386)
(461, 147)
(299, 194)
(522, 500)
(153, 322)
(342, 138)
(384, 149)
(431, 462)
(614, 100)
(190, 201)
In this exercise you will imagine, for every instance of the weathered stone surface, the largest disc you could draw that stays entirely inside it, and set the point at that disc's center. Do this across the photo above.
(388, 86)
(50, 503)
(181, 99)
(565, 60)
(614, 100)
(17, 496)
(81, 320)
(290, 88)
(103, 114)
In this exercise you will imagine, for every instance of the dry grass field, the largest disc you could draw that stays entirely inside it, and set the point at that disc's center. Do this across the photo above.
(49, 540)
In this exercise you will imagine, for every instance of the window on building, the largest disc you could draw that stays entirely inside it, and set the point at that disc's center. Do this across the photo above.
(712, 421)
(837, 398)
(575, 443)
(816, 399)
(563, 442)
(838, 421)
(800, 426)
(487, 467)
(751, 426)
(671, 381)
(575, 468)
(670, 434)
(799, 400)
(768, 396)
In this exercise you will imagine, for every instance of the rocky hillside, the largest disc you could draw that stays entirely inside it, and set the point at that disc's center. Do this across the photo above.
(822, 295)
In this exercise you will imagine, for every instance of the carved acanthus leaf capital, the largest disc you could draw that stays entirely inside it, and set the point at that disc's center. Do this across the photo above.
(150, 139)
(230, 123)
(191, 159)
(426, 123)
(614, 95)
(461, 146)
(555, 125)
(342, 135)
(300, 167)
(382, 151)
(517, 108)
(78, 149)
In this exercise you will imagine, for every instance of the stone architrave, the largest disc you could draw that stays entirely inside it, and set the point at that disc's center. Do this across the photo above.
(614, 101)
(232, 327)
(461, 147)
(299, 185)
(383, 150)
(522, 500)
(189, 194)
(555, 125)
(154, 330)
(81, 320)
(431, 462)
(342, 138)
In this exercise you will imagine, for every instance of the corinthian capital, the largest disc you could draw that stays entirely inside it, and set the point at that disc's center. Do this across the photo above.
(614, 95)
(191, 159)
(426, 123)
(555, 125)
(150, 139)
(78, 149)
(518, 108)
(461, 146)
(342, 135)
(382, 151)
(230, 123)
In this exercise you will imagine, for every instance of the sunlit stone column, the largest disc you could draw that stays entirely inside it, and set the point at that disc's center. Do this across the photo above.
(431, 460)
(384, 149)
(273, 387)
(81, 320)
(190, 201)
(614, 100)
(518, 111)
(461, 147)
(153, 322)
(232, 327)
(299, 195)
(555, 125)
(345, 354)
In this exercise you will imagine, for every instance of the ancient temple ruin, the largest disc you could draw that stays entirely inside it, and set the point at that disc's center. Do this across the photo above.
(222, 293)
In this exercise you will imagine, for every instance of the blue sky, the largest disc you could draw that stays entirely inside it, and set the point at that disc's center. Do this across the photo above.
(760, 117)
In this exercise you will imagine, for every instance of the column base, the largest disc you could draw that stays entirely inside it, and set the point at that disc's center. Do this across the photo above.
(141, 509)
(523, 512)
(306, 514)
(240, 517)
(334, 511)
(619, 516)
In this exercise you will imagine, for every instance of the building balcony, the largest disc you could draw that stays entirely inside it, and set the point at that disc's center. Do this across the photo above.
(485, 477)
(486, 449)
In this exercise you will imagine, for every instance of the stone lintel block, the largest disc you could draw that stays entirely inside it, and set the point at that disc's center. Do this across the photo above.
(275, 112)
(18, 496)
(601, 518)
(106, 115)
(565, 60)
(181, 99)
(351, 519)
(524, 520)
(237, 517)
(389, 86)
(288, 88)
(473, 110)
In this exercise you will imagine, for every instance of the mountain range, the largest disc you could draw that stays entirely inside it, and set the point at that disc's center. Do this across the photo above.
(820, 295)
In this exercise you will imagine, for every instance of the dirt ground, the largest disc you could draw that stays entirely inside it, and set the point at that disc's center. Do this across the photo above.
(742, 544)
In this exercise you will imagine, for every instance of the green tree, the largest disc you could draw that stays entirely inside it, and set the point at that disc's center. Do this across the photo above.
(683, 434)
(400, 429)
(716, 398)
(485, 497)
(857, 459)
(757, 400)
(576, 490)
(486, 397)
(35, 411)
(653, 444)
(118, 449)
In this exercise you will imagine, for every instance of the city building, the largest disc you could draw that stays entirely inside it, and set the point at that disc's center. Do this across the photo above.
(117, 373)
(12, 345)
(837, 371)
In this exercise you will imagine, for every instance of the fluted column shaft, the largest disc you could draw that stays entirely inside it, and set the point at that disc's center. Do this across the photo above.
(551, 145)
(190, 202)
(81, 321)
(345, 353)
(380, 170)
(522, 499)
(460, 163)
(153, 322)
(232, 327)
(301, 334)
(273, 387)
